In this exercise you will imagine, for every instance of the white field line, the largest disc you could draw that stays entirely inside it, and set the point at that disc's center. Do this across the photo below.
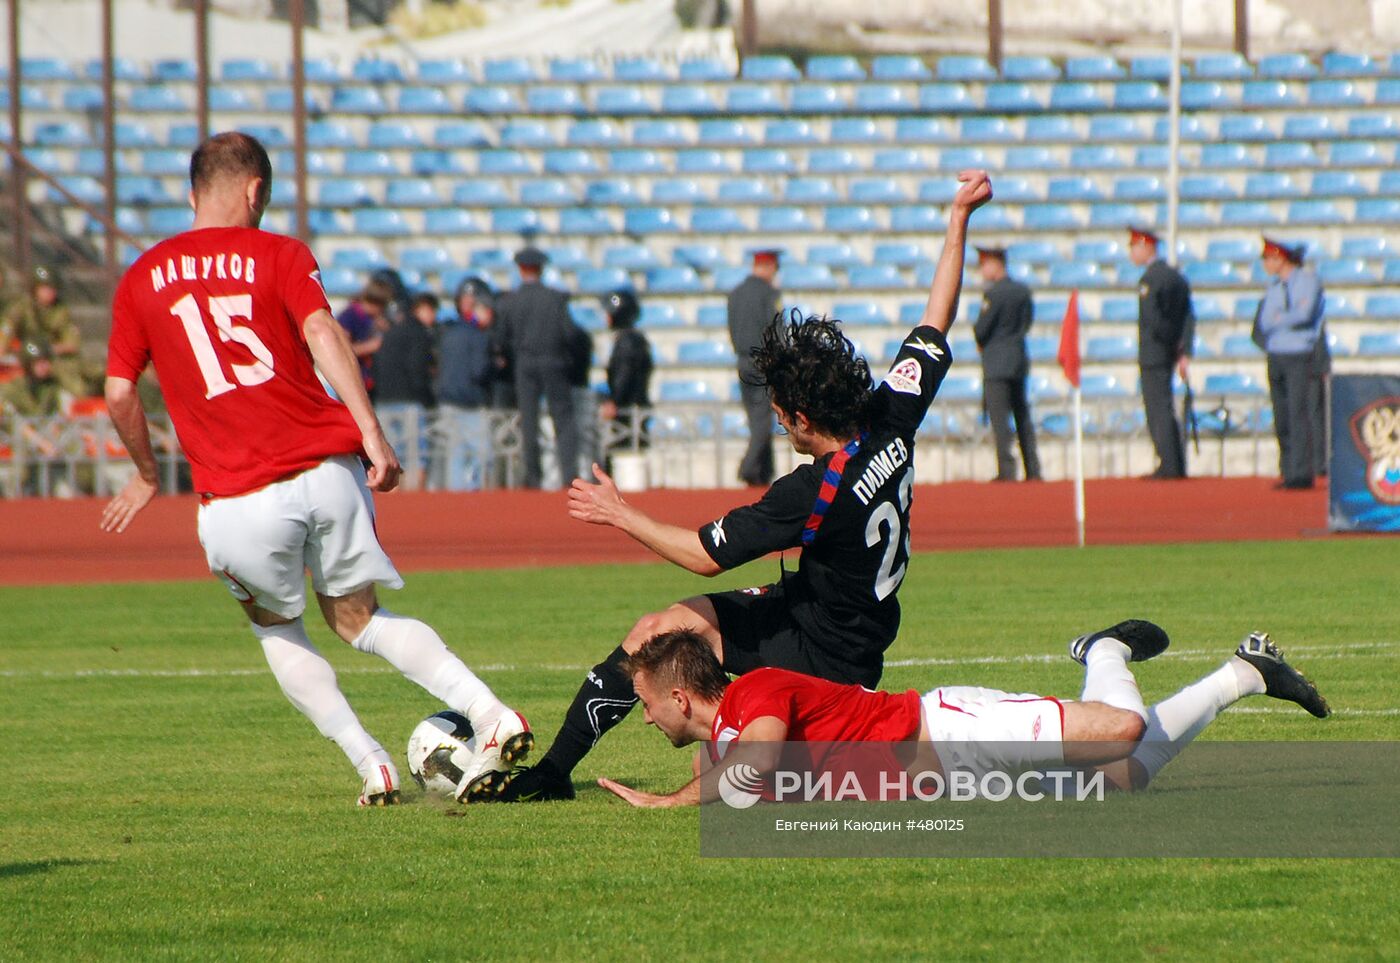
(1313, 652)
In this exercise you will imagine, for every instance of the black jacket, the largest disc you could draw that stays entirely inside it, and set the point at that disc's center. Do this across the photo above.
(752, 306)
(465, 369)
(1001, 329)
(1166, 319)
(534, 327)
(629, 369)
(403, 365)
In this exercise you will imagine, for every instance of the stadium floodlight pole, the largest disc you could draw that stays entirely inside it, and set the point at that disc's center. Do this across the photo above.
(1174, 135)
(109, 146)
(19, 174)
(995, 33)
(201, 53)
(297, 11)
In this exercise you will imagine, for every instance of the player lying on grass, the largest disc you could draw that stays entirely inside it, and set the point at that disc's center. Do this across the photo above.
(848, 513)
(689, 697)
(234, 319)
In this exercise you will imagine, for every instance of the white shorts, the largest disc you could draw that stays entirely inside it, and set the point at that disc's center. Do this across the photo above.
(985, 730)
(262, 544)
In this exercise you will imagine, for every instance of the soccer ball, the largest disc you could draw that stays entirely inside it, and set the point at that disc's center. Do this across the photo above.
(440, 750)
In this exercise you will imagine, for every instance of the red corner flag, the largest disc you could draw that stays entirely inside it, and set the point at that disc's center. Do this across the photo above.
(1068, 355)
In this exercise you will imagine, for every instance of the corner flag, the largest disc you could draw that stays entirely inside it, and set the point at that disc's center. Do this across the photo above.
(1068, 355)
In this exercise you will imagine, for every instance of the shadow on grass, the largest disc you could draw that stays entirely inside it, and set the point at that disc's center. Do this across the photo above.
(9, 870)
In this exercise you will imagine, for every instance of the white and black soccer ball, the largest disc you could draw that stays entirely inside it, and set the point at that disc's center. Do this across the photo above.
(440, 750)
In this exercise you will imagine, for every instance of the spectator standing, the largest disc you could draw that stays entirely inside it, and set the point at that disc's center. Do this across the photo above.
(1288, 326)
(752, 307)
(365, 321)
(1166, 330)
(536, 334)
(466, 372)
(403, 374)
(1001, 329)
(629, 375)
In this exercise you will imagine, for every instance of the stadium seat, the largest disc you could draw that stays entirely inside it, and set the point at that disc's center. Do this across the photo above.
(1232, 249)
(856, 130)
(875, 277)
(686, 100)
(685, 391)
(678, 279)
(1382, 307)
(698, 161)
(635, 162)
(1341, 64)
(574, 70)
(815, 99)
(570, 161)
(526, 133)
(1017, 190)
(917, 219)
(1334, 93)
(593, 133)
(769, 68)
(859, 313)
(899, 160)
(876, 191)
(585, 221)
(492, 100)
(547, 192)
(344, 192)
(425, 260)
(1303, 127)
(1031, 158)
(1267, 94)
(321, 70)
(461, 133)
(244, 70)
(1076, 97)
(411, 193)
(1095, 156)
(1029, 68)
(1226, 156)
(1314, 211)
(951, 159)
(631, 257)
(649, 220)
(1206, 95)
(660, 316)
(375, 222)
(1113, 215)
(1138, 188)
(958, 389)
(329, 134)
(1372, 246)
(1152, 67)
(621, 101)
(899, 253)
(83, 187)
(833, 254)
(369, 163)
(509, 70)
(785, 132)
(767, 160)
(729, 277)
(659, 133)
(357, 100)
(809, 190)
(393, 135)
(837, 69)
(784, 220)
(515, 220)
(1271, 184)
(1204, 274)
(1222, 66)
(702, 257)
(1118, 310)
(1379, 344)
(898, 67)
(1150, 156)
(1245, 127)
(156, 100)
(447, 71)
(945, 99)
(450, 222)
(1104, 387)
(1339, 184)
(672, 191)
(375, 71)
(744, 190)
(1069, 274)
(986, 130)
(724, 133)
(808, 277)
(1094, 67)
(1287, 65)
(1111, 348)
(481, 192)
(1011, 98)
(1343, 271)
(712, 316)
(1378, 210)
(702, 69)
(1290, 154)
(1109, 128)
(553, 100)
(963, 67)
(1138, 95)
(1052, 128)
(1078, 188)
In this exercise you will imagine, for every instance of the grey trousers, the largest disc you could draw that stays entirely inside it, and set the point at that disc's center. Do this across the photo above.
(757, 465)
(1161, 420)
(1292, 393)
(1006, 400)
(549, 383)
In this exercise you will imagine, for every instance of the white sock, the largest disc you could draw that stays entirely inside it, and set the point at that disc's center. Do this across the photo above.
(308, 681)
(1178, 719)
(1108, 679)
(419, 653)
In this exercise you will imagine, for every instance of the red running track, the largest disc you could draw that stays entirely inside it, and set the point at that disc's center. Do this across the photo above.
(51, 541)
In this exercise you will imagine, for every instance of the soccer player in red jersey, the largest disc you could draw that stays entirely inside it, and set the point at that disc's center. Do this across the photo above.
(688, 696)
(236, 323)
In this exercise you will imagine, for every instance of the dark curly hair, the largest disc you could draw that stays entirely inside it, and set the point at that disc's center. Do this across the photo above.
(809, 366)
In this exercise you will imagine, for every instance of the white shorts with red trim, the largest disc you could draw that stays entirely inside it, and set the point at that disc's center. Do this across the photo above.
(987, 730)
(263, 543)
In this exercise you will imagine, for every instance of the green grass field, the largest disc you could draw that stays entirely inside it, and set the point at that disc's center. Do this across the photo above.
(164, 800)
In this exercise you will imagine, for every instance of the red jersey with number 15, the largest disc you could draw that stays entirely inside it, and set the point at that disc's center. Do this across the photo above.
(219, 313)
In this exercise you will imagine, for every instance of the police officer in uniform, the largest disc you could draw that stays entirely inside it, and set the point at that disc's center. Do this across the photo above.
(538, 337)
(1288, 326)
(42, 316)
(1000, 331)
(752, 307)
(1166, 330)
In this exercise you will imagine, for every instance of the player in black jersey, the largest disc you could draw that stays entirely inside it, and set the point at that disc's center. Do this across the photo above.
(848, 512)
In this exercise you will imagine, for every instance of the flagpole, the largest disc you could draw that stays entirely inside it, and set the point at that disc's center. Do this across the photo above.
(1079, 466)
(1069, 358)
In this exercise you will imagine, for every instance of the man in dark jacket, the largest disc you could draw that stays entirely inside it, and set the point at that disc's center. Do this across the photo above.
(462, 450)
(1166, 330)
(404, 387)
(537, 335)
(1001, 330)
(629, 374)
(752, 307)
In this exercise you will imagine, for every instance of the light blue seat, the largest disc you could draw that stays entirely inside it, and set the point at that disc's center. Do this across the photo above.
(1094, 67)
(1206, 95)
(1078, 188)
(660, 316)
(1094, 386)
(1152, 67)
(360, 257)
(877, 98)
(833, 254)
(179, 70)
(635, 161)
(744, 190)
(1232, 249)
(1267, 94)
(1356, 154)
(157, 100)
(1017, 190)
(815, 99)
(923, 130)
(784, 220)
(1138, 188)
(508, 70)
(1029, 68)
(1342, 64)
(945, 99)
(369, 163)
(767, 160)
(1072, 274)
(1247, 213)
(702, 69)
(378, 222)
(899, 160)
(712, 316)
(1208, 308)
(481, 192)
(1203, 274)
(156, 163)
(659, 133)
(570, 161)
(515, 220)
(899, 253)
(1334, 93)
(425, 260)
(357, 100)
(1051, 217)
(1031, 159)
(1290, 154)
(450, 222)
(724, 133)
(859, 313)
(461, 133)
(686, 391)
(1095, 156)
(1117, 215)
(1232, 383)
(855, 130)
(707, 353)
(727, 279)
(1226, 156)
(1222, 66)
(83, 187)
(1118, 310)
(1314, 211)
(956, 159)
(965, 67)
(649, 220)
(412, 193)
(574, 70)
(621, 101)
(753, 99)
(674, 280)
(960, 389)
(1379, 344)
(1002, 219)
(166, 221)
(1111, 348)
(1345, 271)
(341, 282)
(677, 190)
(329, 133)
(593, 133)
(1244, 127)
(375, 71)
(65, 133)
(631, 257)
(1310, 127)
(444, 71)
(936, 190)
(1011, 98)
(1077, 97)
(831, 160)
(1289, 65)
(344, 192)
(875, 277)
(1340, 184)
(1100, 250)
(393, 135)
(698, 161)
(1108, 128)
(84, 98)
(898, 67)
(321, 70)
(553, 100)
(587, 221)
(986, 130)
(838, 69)
(1150, 156)
(808, 277)
(1271, 184)
(1237, 347)
(548, 192)
(1382, 307)
(1138, 95)
(1033, 252)
(685, 99)
(1370, 246)
(809, 190)
(769, 68)
(271, 135)
(785, 132)
(423, 100)
(917, 219)
(245, 69)
(526, 133)
(1052, 128)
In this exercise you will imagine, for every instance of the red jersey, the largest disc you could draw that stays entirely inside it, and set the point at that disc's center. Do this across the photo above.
(815, 710)
(219, 313)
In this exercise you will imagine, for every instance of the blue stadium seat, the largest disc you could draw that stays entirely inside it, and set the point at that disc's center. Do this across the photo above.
(360, 257)
(1031, 159)
(329, 133)
(1244, 127)
(965, 67)
(425, 260)
(1050, 217)
(412, 193)
(1138, 188)
(158, 100)
(492, 100)
(674, 280)
(704, 69)
(1345, 271)
(898, 67)
(923, 130)
(631, 257)
(986, 130)
(936, 190)
(1334, 93)
(1094, 387)
(1033, 252)
(450, 222)
(1389, 183)
(677, 190)
(1247, 214)
(1100, 156)
(321, 70)
(369, 163)
(808, 190)
(1222, 66)
(727, 278)
(685, 391)
(899, 253)
(593, 133)
(721, 133)
(481, 192)
(833, 254)
(705, 353)
(1287, 65)
(649, 220)
(515, 220)
(640, 70)
(621, 101)
(659, 133)
(1029, 68)
(1094, 67)
(1338, 184)
(1371, 246)
(808, 277)
(1226, 156)
(508, 70)
(1374, 126)
(228, 100)
(84, 98)
(1236, 383)
(570, 161)
(838, 69)
(697, 161)
(945, 99)
(574, 70)
(244, 70)
(1208, 308)
(278, 100)
(833, 161)
(1052, 128)
(856, 130)
(1152, 155)
(1011, 98)
(548, 192)
(960, 388)
(357, 100)
(635, 162)
(1076, 97)
(876, 98)
(1078, 188)
(854, 313)
(702, 257)
(156, 163)
(875, 277)
(956, 159)
(1232, 249)
(917, 219)
(586, 316)
(375, 71)
(142, 191)
(1355, 154)
(784, 220)
(1239, 347)
(553, 100)
(344, 192)
(177, 70)
(753, 99)
(1315, 212)
(378, 222)
(1310, 127)
(790, 132)
(448, 71)
(1152, 67)
(1107, 128)
(1206, 95)
(339, 281)
(1379, 344)
(768, 68)
(31, 97)
(526, 133)
(660, 316)
(1111, 348)
(585, 221)
(899, 160)
(1070, 274)
(1117, 215)
(1268, 94)
(849, 219)
(1340, 64)
(815, 99)
(744, 190)
(1290, 154)
(1002, 219)
(1204, 274)
(393, 135)
(1118, 310)
(1382, 307)
(1138, 95)
(1015, 189)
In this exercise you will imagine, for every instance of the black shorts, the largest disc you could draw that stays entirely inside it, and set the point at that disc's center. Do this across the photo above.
(757, 631)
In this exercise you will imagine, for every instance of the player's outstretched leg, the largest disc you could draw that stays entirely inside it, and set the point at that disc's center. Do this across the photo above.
(1256, 668)
(309, 683)
(1105, 656)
